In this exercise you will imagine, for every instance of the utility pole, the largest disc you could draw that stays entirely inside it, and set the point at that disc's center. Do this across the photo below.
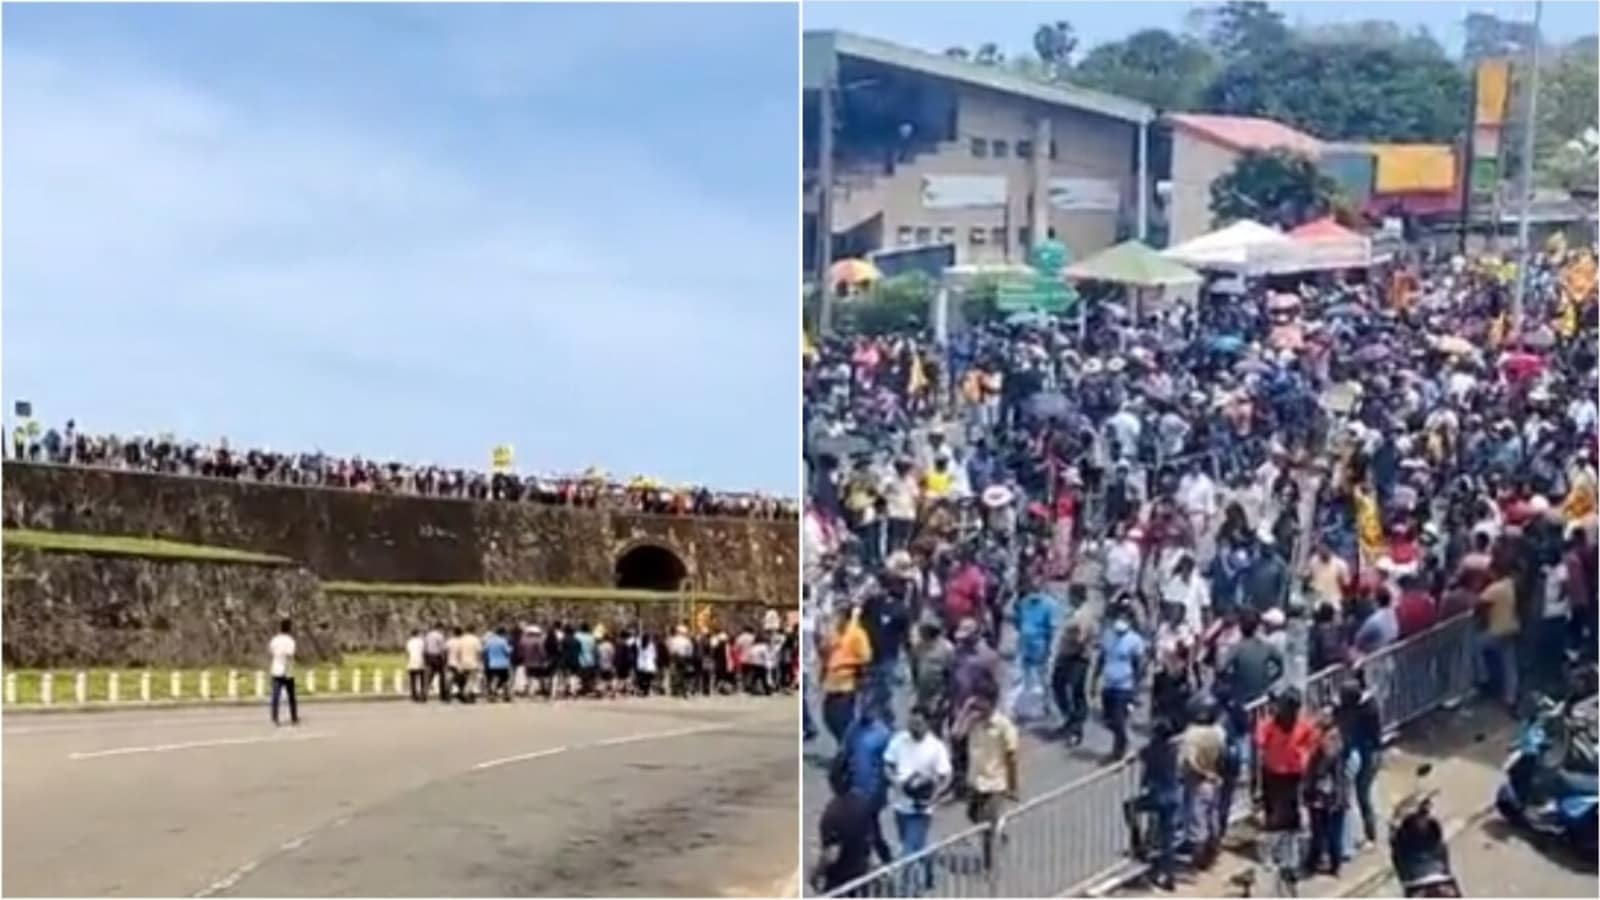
(825, 99)
(1519, 294)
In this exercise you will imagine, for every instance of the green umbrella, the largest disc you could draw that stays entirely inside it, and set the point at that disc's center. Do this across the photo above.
(1133, 264)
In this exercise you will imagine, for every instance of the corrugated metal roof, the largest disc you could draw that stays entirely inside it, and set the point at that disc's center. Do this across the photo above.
(820, 50)
(1246, 132)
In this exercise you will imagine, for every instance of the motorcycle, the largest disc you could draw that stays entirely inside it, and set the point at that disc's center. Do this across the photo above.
(1417, 848)
(1549, 786)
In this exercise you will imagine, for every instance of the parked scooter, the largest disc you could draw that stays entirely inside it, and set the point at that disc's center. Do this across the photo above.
(1550, 777)
(1417, 848)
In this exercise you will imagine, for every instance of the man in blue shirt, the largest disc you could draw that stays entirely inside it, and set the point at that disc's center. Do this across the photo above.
(864, 746)
(1118, 669)
(1038, 615)
(497, 662)
(588, 659)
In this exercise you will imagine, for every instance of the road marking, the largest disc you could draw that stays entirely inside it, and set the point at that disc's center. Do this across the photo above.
(195, 745)
(552, 751)
(655, 735)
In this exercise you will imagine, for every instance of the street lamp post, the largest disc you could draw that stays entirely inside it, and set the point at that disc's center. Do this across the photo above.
(1519, 292)
(825, 205)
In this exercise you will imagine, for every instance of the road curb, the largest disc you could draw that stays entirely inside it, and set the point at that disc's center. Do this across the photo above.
(103, 706)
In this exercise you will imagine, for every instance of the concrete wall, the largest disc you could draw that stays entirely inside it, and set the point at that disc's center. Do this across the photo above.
(73, 609)
(1087, 146)
(66, 610)
(1195, 164)
(354, 536)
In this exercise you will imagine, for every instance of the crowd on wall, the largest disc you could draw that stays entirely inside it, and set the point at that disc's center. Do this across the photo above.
(1181, 512)
(168, 455)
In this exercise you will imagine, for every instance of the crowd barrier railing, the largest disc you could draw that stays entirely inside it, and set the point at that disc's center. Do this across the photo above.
(1070, 838)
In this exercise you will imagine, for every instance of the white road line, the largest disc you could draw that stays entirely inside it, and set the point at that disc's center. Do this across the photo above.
(196, 745)
(552, 751)
(655, 735)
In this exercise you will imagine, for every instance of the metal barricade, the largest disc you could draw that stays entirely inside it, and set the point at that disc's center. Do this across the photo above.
(1069, 837)
(951, 867)
(1416, 676)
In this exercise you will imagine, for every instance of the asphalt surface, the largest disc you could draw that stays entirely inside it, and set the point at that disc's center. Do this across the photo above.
(654, 797)
(1491, 859)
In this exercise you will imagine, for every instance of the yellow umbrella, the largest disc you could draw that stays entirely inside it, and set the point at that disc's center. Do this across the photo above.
(853, 271)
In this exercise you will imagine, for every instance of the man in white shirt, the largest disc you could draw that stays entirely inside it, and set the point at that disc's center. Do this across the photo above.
(1197, 494)
(416, 667)
(281, 649)
(917, 764)
(1122, 563)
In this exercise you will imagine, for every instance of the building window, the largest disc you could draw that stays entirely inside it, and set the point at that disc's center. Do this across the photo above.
(1000, 148)
(924, 235)
(1024, 149)
(902, 235)
(1023, 238)
(998, 237)
(980, 148)
(947, 234)
(978, 236)
(1052, 149)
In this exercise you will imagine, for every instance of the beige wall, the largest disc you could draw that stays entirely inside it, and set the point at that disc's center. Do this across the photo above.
(1086, 146)
(1195, 164)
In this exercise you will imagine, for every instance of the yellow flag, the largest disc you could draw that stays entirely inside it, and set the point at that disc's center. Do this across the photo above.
(1580, 500)
(918, 381)
(1368, 523)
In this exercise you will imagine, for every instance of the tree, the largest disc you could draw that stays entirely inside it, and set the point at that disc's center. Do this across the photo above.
(1373, 33)
(1488, 36)
(1340, 91)
(1240, 28)
(1276, 188)
(1054, 43)
(989, 55)
(1163, 70)
(957, 53)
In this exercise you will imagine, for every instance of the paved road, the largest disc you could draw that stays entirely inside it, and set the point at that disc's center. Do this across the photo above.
(637, 797)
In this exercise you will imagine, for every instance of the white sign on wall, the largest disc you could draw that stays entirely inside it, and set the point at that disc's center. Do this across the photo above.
(1085, 195)
(963, 191)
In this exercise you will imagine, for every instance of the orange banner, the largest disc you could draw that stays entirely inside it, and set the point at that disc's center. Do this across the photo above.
(1414, 167)
(1494, 85)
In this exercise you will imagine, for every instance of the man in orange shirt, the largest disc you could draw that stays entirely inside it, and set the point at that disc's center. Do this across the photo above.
(1285, 741)
(847, 654)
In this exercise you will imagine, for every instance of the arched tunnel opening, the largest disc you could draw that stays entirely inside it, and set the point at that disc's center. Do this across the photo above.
(651, 567)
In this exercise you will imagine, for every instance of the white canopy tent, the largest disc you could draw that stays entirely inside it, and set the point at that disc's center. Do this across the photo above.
(1244, 248)
(1325, 244)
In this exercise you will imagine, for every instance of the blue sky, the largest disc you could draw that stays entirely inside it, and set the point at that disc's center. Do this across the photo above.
(411, 231)
(935, 26)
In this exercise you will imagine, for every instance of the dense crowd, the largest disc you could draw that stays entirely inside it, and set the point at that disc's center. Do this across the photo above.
(167, 455)
(1187, 510)
(576, 660)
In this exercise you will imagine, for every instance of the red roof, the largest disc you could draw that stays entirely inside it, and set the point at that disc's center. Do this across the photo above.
(1324, 228)
(1243, 133)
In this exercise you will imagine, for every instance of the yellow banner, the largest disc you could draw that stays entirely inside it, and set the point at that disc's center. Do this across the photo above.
(1494, 85)
(1403, 168)
(501, 458)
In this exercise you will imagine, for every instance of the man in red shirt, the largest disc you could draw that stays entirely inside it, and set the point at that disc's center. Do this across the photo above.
(965, 593)
(1416, 611)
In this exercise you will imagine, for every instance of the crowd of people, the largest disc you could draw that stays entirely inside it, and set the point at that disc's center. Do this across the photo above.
(1186, 511)
(170, 456)
(580, 660)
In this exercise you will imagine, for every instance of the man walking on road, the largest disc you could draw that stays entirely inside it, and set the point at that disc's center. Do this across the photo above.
(918, 765)
(281, 648)
(1118, 671)
(497, 661)
(434, 647)
(416, 667)
(991, 762)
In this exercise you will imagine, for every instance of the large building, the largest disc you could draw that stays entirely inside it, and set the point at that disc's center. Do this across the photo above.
(1205, 147)
(924, 149)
